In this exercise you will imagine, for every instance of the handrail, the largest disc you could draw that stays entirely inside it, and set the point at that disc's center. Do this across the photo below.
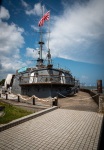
(48, 76)
(47, 79)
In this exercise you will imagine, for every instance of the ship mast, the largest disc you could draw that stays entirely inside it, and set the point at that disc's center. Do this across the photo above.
(41, 42)
(40, 59)
(49, 54)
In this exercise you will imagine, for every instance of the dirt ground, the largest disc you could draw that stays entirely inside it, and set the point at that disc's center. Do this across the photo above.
(80, 101)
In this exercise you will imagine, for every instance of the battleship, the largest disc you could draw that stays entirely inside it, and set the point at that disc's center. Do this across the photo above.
(43, 80)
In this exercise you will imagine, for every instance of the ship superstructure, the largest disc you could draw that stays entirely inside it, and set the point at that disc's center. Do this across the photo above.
(44, 80)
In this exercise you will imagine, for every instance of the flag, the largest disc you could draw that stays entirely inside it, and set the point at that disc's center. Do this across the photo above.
(44, 18)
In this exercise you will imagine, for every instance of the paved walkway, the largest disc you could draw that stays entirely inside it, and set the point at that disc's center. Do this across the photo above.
(57, 130)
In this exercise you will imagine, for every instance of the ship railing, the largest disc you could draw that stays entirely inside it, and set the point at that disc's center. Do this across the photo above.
(47, 79)
(62, 67)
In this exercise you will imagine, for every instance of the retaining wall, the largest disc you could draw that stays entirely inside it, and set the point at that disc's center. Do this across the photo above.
(26, 118)
(97, 97)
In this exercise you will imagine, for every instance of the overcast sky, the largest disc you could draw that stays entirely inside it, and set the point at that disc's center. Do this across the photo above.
(76, 37)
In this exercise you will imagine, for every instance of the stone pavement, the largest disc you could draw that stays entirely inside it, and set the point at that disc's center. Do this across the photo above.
(57, 130)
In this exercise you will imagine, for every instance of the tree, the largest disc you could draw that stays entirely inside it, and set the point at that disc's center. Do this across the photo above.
(2, 82)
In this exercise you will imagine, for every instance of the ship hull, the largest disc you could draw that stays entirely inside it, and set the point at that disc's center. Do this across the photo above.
(44, 83)
(47, 90)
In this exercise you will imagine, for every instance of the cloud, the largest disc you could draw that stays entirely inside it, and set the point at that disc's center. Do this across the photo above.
(11, 40)
(78, 33)
(35, 28)
(10, 65)
(30, 52)
(24, 4)
(36, 10)
(0, 65)
(4, 13)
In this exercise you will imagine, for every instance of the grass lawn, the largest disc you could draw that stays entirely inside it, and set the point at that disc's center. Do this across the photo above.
(12, 113)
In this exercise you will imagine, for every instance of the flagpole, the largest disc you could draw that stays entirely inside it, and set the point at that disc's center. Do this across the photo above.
(41, 22)
(41, 35)
(49, 33)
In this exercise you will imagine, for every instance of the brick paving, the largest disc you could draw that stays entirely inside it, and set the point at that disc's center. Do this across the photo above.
(60, 129)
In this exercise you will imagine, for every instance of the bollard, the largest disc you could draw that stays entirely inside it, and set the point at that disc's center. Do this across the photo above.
(18, 98)
(55, 102)
(33, 100)
(6, 96)
(99, 86)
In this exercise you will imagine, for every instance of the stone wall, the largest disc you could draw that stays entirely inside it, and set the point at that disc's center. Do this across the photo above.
(101, 104)
(93, 94)
(97, 97)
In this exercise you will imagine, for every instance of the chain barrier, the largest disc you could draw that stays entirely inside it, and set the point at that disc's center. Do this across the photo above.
(61, 94)
(13, 96)
(45, 100)
(27, 99)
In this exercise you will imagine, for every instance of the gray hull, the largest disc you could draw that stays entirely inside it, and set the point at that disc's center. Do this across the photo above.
(46, 90)
(44, 83)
